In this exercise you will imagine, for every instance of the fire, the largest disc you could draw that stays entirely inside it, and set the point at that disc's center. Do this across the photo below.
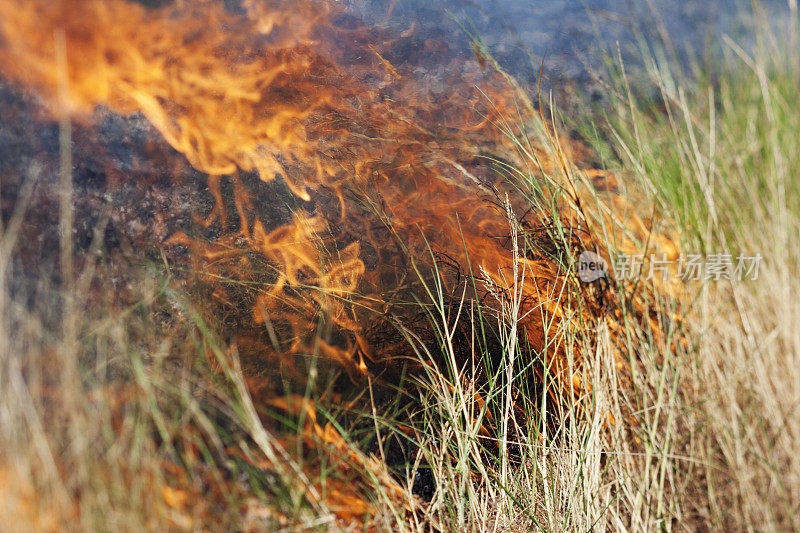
(282, 91)
(186, 75)
(395, 163)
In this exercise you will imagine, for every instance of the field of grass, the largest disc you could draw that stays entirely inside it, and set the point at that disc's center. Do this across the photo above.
(686, 416)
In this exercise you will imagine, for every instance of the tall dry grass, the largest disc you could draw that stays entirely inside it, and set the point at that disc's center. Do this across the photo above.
(701, 433)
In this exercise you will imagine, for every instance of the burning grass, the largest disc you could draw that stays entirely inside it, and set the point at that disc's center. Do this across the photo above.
(365, 316)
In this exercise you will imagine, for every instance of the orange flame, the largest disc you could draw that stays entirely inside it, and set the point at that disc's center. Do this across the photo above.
(282, 91)
(394, 161)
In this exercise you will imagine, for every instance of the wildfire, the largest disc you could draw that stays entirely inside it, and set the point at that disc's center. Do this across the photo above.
(395, 162)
